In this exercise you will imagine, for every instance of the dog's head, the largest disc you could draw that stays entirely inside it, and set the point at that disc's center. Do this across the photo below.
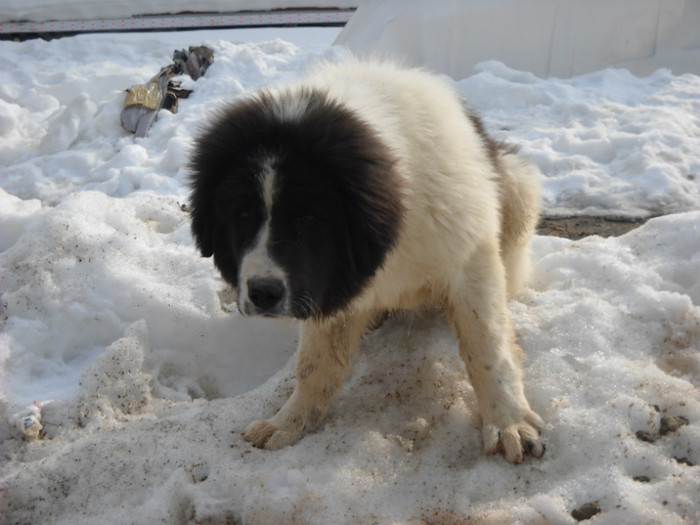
(297, 200)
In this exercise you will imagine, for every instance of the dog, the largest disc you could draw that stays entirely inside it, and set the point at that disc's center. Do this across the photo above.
(363, 188)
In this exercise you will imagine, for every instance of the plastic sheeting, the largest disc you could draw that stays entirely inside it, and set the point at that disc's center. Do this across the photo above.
(560, 38)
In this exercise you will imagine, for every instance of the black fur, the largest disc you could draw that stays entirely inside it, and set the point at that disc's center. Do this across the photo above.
(337, 210)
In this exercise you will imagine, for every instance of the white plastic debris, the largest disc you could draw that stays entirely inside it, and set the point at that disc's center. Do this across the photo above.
(29, 421)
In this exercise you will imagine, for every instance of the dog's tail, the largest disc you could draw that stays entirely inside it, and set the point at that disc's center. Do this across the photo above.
(520, 204)
(520, 210)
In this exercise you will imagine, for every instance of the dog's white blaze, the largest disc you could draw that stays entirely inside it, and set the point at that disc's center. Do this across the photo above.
(290, 109)
(257, 261)
(267, 183)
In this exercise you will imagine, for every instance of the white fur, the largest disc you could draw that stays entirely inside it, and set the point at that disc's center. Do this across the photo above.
(267, 184)
(450, 251)
(257, 261)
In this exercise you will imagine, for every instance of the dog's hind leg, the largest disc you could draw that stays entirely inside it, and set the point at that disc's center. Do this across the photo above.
(325, 349)
(478, 312)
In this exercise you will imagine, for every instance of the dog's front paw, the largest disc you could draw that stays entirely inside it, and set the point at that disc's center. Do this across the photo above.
(267, 435)
(514, 439)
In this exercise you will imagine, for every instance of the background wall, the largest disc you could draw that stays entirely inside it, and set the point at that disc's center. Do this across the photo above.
(559, 38)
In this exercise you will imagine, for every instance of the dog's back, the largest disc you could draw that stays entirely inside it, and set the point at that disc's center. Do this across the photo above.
(456, 178)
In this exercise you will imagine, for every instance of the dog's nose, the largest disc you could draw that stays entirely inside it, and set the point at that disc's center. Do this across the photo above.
(265, 292)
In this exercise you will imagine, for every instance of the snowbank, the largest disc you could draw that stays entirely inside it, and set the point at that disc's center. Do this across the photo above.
(608, 142)
(546, 37)
(145, 375)
(44, 10)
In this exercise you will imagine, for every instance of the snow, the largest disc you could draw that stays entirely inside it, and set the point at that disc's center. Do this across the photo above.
(145, 375)
(610, 143)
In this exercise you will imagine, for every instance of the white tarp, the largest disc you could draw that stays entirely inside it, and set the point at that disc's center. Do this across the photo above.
(559, 38)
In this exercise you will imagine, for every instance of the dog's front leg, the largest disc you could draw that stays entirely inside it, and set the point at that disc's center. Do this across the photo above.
(325, 349)
(479, 314)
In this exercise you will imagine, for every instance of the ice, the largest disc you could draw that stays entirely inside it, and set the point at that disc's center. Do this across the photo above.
(144, 374)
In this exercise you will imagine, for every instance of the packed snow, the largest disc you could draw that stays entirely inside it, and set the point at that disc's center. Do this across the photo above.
(144, 374)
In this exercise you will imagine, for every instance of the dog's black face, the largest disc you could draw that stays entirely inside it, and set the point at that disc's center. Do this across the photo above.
(296, 199)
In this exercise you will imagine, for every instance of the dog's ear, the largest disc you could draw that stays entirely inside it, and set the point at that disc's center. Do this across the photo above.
(376, 214)
(205, 167)
(370, 239)
(204, 229)
(202, 212)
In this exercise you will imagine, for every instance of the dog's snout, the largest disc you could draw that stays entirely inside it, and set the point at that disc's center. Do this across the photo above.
(265, 292)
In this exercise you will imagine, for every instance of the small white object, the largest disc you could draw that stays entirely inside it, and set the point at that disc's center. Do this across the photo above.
(29, 421)
(418, 429)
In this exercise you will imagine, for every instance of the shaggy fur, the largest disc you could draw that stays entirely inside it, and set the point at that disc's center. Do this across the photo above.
(364, 188)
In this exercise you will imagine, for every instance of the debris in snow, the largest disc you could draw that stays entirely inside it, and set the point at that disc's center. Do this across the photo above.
(685, 461)
(143, 101)
(586, 511)
(670, 424)
(29, 421)
(643, 435)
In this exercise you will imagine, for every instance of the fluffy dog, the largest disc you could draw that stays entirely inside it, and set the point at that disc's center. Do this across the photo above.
(360, 189)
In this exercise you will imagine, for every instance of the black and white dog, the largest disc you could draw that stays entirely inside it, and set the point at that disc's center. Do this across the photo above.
(356, 190)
